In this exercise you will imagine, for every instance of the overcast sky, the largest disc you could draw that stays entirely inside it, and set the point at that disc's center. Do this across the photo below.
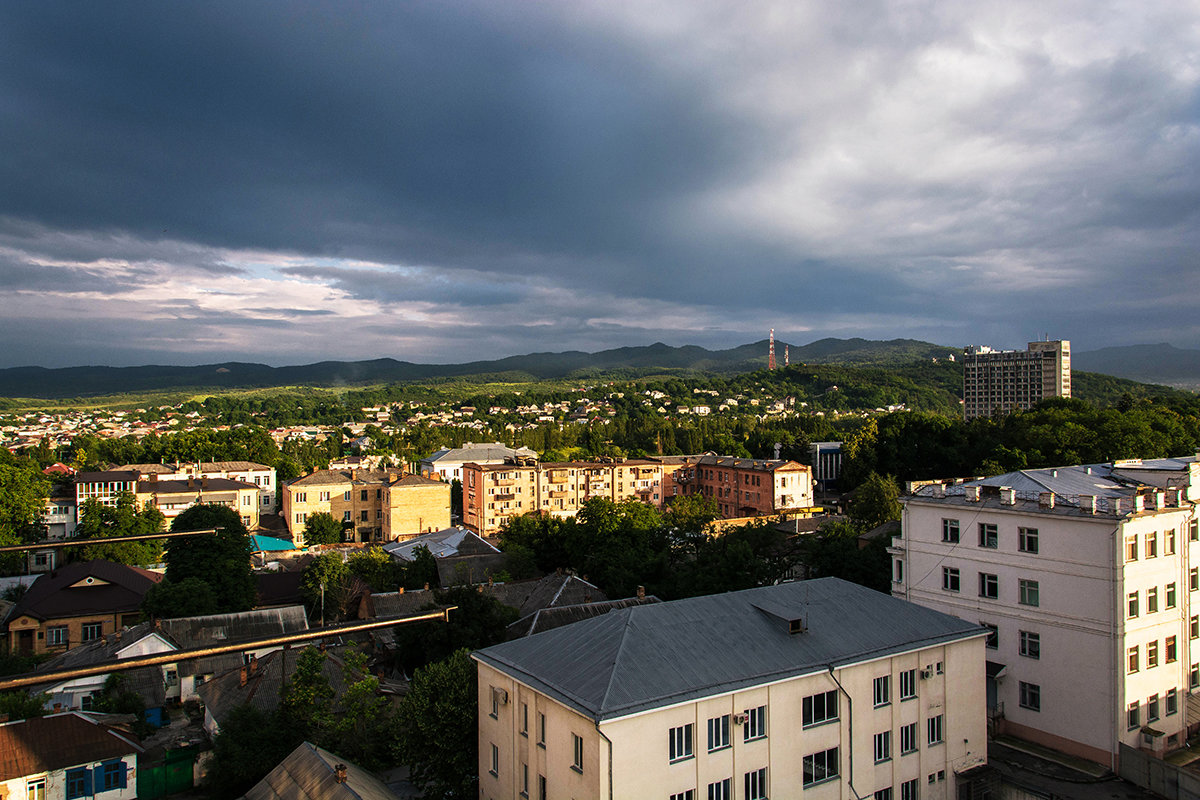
(447, 181)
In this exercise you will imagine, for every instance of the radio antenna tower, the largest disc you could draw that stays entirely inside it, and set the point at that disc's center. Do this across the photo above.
(786, 360)
(771, 352)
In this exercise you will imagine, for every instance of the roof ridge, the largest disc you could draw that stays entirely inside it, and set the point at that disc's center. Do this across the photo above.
(617, 658)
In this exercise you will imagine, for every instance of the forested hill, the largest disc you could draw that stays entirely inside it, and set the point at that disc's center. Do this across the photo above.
(88, 381)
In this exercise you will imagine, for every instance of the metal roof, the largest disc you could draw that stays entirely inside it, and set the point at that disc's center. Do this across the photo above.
(648, 656)
(310, 773)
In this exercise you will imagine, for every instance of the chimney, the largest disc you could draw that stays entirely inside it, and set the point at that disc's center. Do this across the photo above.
(253, 665)
(1008, 496)
(1119, 505)
(401, 591)
(427, 586)
(242, 677)
(1087, 503)
(939, 490)
(1139, 503)
(1172, 497)
(972, 493)
(641, 593)
(1159, 499)
(191, 484)
(1046, 499)
(340, 773)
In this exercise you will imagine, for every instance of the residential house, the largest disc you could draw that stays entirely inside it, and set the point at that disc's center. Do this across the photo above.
(77, 603)
(1087, 578)
(311, 773)
(462, 555)
(67, 756)
(821, 689)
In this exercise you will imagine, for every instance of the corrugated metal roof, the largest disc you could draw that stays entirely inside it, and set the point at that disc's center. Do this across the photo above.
(66, 592)
(44, 744)
(648, 656)
(309, 773)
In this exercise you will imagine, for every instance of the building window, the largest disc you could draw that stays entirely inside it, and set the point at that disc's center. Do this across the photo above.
(322, 496)
(950, 579)
(1152, 708)
(908, 790)
(1027, 540)
(494, 771)
(989, 586)
(362, 496)
(1031, 644)
(112, 776)
(79, 783)
(524, 780)
(883, 747)
(721, 790)
(756, 724)
(541, 731)
(1194, 531)
(690, 794)
(820, 767)
(1193, 579)
(883, 690)
(1134, 659)
(1131, 548)
(1194, 627)
(988, 535)
(1133, 604)
(577, 753)
(950, 531)
(1172, 648)
(1194, 677)
(1152, 654)
(1170, 598)
(346, 495)
(301, 497)
(1133, 716)
(908, 739)
(1152, 600)
(89, 631)
(1028, 592)
(899, 571)
(718, 733)
(1169, 542)
(1030, 696)
(819, 709)
(1172, 699)
(1152, 544)
(882, 794)
(933, 727)
(57, 635)
(756, 784)
(993, 639)
(542, 793)
(36, 789)
(680, 740)
(908, 684)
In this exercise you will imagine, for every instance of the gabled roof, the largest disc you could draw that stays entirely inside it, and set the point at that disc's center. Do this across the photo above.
(546, 619)
(418, 480)
(265, 678)
(443, 543)
(494, 451)
(310, 773)
(763, 464)
(57, 741)
(648, 656)
(66, 592)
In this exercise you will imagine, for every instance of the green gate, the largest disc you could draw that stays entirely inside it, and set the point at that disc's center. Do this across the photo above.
(171, 774)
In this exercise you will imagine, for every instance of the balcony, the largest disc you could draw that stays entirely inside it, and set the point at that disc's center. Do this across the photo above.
(504, 496)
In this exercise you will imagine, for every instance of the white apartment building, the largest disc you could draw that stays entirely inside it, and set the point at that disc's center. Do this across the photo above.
(261, 475)
(1088, 577)
(820, 689)
(448, 461)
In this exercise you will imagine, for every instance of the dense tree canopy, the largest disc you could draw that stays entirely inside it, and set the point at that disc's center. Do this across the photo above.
(221, 561)
(100, 521)
(437, 732)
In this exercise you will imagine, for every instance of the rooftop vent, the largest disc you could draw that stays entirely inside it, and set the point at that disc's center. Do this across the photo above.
(1087, 503)
(972, 493)
(786, 614)
(1046, 499)
(1008, 496)
(1139, 503)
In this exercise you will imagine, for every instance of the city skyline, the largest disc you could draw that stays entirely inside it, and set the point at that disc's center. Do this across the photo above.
(287, 183)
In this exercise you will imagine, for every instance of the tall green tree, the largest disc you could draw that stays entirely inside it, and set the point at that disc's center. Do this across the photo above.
(323, 585)
(437, 734)
(322, 528)
(875, 501)
(99, 521)
(221, 560)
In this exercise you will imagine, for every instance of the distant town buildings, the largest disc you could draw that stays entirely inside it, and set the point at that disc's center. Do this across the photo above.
(1087, 577)
(1014, 380)
(740, 487)
(820, 687)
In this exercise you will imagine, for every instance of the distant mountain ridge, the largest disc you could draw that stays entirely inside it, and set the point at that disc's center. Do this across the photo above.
(1147, 363)
(42, 382)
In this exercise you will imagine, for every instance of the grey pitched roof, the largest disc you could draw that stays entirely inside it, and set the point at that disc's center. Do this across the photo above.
(263, 685)
(546, 619)
(66, 592)
(309, 773)
(494, 451)
(649, 656)
(446, 542)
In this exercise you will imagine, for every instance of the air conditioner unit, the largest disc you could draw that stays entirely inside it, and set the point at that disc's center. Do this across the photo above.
(500, 695)
(740, 719)
(926, 673)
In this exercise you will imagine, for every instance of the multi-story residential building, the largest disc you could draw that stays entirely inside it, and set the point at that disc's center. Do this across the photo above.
(1013, 380)
(260, 475)
(173, 497)
(741, 487)
(374, 506)
(448, 461)
(104, 487)
(1087, 578)
(819, 689)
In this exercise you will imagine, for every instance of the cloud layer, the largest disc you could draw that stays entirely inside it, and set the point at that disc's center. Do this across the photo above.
(288, 182)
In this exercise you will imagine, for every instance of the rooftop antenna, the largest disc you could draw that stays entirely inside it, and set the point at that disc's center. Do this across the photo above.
(771, 351)
(786, 358)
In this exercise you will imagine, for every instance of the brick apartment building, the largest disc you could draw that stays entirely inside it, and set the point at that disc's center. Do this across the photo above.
(373, 505)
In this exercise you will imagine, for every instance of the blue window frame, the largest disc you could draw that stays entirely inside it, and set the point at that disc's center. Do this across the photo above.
(79, 783)
(112, 776)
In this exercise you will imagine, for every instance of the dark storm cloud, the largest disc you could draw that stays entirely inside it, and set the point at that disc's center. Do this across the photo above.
(595, 174)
